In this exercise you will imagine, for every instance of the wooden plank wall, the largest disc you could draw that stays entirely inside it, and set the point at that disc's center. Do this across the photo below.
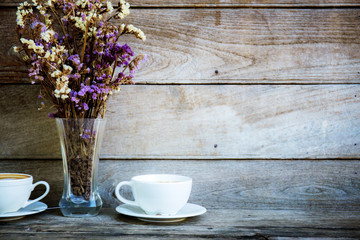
(244, 81)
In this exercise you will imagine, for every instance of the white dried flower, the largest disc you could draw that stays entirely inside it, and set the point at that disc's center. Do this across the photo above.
(20, 14)
(50, 2)
(47, 54)
(46, 36)
(136, 31)
(79, 23)
(67, 68)
(109, 6)
(124, 9)
(31, 45)
(48, 22)
(62, 90)
(56, 73)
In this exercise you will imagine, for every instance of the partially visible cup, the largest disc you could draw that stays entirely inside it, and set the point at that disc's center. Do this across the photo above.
(15, 190)
(158, 194)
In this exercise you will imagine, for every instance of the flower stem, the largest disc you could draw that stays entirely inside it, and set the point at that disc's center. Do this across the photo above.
(61, 25)
(84, 46)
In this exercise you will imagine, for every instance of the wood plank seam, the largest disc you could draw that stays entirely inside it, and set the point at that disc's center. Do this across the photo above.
(254, 6)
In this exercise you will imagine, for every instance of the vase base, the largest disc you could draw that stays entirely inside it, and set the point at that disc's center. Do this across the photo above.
(80, 210)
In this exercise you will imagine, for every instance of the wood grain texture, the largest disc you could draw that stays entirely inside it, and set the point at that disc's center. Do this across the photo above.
(302, 185)
(225, 3)
(197, 122)
(215, 224)
(236, 46)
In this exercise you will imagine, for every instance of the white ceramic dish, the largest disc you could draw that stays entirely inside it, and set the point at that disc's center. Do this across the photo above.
(189, 210)
(34, 208)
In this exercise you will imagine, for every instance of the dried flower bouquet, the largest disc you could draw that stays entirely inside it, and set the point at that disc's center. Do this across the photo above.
(72, 49)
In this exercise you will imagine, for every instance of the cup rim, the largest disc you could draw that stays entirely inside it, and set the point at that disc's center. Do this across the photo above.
(181, 179)
(28, 177)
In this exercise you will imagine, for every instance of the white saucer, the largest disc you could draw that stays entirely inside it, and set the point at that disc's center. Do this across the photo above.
(189, 210)
(34, 208)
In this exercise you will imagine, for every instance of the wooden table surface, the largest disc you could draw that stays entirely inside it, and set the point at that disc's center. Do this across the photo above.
(246, 199)
(215, 223)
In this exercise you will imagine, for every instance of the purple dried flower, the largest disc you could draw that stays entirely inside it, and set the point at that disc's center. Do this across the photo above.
(84, 89)
(82, 92)
(96, 88)
(86, 107)
(76, 76)
(127, 49)
(85, 136)
(74, 99)
(75, 59)
(68, 6)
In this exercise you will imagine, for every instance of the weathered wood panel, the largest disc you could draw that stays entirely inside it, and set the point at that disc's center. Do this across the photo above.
(231, 46)
(302, 185)
(215, 224)
(225, 3)
(202, 121)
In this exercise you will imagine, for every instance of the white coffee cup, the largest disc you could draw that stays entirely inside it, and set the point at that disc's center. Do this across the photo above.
(15, 190)
(158, 194)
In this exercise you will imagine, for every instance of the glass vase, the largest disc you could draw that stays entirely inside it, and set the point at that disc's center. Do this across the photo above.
(80, 147)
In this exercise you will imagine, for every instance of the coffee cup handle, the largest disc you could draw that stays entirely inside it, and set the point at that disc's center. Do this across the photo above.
(42, 196)
(121, 198)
